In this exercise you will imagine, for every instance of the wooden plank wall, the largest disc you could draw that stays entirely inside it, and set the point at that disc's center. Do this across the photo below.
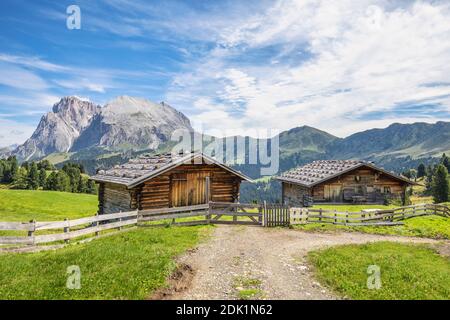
(185, 185)
(155, 193)
(115, 198)
(368, 177)
(293, 194)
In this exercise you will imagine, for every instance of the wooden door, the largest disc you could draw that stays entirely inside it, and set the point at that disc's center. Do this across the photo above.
(197, 187)
(336, 193)
(179, 195)
(333, 193)
(188, 188)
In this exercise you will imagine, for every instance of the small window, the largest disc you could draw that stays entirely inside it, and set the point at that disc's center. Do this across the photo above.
(357, 178)
(387, 189)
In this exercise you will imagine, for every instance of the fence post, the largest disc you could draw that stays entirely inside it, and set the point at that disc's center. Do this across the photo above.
(120, 220)
(265, 214)
(288, 216)
(335, 216)
(31, 230)
(235, 211)
(277, 216)
(96, 224)
(208, 212)
(66, 230)
(260, 212)
(320, 215)
(346, 217)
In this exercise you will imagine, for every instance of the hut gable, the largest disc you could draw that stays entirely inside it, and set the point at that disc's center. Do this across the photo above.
(323, 170)
(145, 167)
(341, 181)
(167, 180)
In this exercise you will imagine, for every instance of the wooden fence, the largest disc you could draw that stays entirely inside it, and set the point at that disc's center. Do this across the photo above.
(241, 213)
(268, 215)
(70, 228)
(212, 212)
(276, 215)
(171, 214)
(64, 231)
(366, 218)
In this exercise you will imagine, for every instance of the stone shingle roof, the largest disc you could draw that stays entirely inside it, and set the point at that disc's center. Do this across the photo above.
(135, 168)
(322, 170)
(147, 166)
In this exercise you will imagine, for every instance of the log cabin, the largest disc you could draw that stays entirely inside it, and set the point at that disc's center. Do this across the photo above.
(166, 180)
(341, 181)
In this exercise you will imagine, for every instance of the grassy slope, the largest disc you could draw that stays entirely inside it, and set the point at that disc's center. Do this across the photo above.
(56, 158)
(24, 205)
(407, 271)
(129, 265)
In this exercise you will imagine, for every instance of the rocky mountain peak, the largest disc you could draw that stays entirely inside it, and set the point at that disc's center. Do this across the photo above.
(75, 124)
(58, 129)
(66, 103)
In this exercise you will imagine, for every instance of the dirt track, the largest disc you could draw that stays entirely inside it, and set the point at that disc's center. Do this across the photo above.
(272, 260)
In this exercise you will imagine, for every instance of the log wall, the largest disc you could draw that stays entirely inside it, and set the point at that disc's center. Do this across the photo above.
(293, 194)
(185, 186)
(373, 185)
(182, 186)
(114, 198)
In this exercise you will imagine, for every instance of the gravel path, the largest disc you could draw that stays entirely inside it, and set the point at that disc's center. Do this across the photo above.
(270, 260)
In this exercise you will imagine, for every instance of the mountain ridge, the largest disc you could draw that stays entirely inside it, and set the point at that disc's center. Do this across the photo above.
(85, 131)
(75, 124)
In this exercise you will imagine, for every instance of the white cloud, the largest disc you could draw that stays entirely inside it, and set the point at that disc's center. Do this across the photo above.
(13, 132)
(31, 103)
(20, 78)
(33, 62)
(84, 84)
(363, 58)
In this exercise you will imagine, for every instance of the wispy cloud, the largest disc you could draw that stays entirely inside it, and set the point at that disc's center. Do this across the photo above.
(232, 66)
(361, 57)
(13, 132)
(20, 78)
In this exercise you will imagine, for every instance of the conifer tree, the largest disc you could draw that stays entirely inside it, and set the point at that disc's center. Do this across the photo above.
(440, 185)
(33, 177)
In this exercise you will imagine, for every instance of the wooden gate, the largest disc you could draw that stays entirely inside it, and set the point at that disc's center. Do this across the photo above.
(240, 213)
(276, 215)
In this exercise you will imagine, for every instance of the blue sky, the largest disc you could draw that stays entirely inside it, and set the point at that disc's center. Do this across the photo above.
(233, 67)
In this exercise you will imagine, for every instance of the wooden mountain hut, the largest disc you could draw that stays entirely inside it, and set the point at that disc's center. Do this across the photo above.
(341, 181)
(166, 180)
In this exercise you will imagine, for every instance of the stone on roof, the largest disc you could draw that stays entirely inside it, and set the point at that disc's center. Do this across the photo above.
(135, 168)
(148, 166)
(319, 170)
